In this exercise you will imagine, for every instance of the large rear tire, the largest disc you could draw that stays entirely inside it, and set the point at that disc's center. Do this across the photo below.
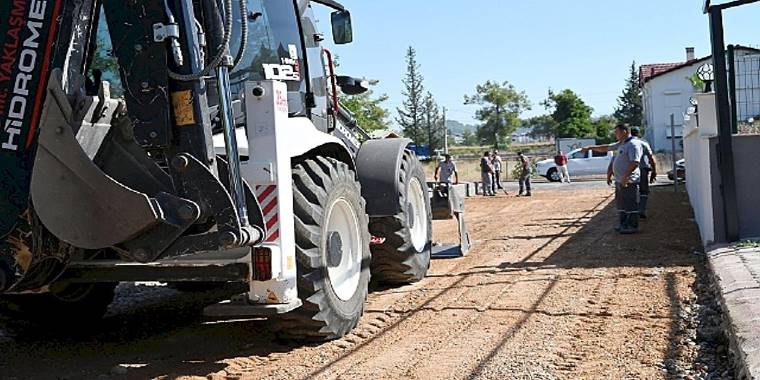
(404, 257)
(332, 251)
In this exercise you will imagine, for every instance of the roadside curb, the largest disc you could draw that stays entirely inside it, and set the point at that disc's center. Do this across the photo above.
(737, 275)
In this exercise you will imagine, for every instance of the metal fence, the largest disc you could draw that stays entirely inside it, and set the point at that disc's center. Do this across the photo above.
(744, 79)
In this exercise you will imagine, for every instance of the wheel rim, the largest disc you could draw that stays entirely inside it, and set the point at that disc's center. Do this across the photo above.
(344, 275)
(419, 226)
(554, 175)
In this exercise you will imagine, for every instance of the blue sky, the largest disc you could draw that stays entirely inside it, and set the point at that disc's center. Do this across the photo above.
(586, 46)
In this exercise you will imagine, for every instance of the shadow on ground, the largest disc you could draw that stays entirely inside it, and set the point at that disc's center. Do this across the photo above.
(170, 339)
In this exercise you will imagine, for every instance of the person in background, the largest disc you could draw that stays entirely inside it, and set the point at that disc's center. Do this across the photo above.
(560, 161)
(447, 170)
(497, 165)
(486, 171)
(524, 175)
(648, 167)
(625, 168)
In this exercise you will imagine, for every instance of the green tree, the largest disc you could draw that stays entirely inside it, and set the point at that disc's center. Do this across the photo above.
(629, 109)
(432, 123)
(104, 61)
(570, 113)
(603, 126)
(501, 106)
(541, 126)
(469, 138)
(368, 109)
(410, 114)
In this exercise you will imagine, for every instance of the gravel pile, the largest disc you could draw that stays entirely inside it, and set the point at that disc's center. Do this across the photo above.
(130, 295)
(703, 346)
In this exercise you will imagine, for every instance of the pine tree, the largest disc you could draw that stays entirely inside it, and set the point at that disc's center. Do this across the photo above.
(410, 114)
(629, 109)
(432, 122)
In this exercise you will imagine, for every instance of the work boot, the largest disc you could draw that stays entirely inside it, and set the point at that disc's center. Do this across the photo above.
(628, 230)
(643, 207)
(621, 221)
(633, 221)
(528, 194)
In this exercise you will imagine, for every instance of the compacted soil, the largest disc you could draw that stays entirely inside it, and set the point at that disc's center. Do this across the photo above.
(548, 291)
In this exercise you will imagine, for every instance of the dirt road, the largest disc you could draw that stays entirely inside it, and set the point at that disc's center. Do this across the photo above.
(549, 291)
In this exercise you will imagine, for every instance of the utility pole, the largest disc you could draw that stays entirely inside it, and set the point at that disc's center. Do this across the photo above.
(445, 134)
(496, 133)
(673, 150)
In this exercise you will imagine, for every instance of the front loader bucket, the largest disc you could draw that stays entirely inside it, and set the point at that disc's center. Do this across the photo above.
(447, 202)
(75, 200)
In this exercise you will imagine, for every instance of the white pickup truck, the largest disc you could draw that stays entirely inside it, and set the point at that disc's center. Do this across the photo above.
(579, 164)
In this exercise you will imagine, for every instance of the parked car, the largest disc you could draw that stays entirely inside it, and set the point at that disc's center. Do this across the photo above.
(680, 170)
(579, 164)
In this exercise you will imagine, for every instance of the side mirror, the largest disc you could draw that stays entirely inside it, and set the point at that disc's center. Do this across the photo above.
(352, 86)
(341, 27)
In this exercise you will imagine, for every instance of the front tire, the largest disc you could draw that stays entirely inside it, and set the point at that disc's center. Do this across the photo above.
(553, 175)
(332, 251)
(404, 257)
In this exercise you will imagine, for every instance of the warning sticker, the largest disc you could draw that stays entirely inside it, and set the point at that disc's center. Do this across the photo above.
(182, 101)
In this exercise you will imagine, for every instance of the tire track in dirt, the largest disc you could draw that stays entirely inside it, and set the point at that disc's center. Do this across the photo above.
(425, 343)
(404, 332)
(477, 342)
(391, 315)
(576, 348)
(464, 341)
(465, 321)
(402, 318)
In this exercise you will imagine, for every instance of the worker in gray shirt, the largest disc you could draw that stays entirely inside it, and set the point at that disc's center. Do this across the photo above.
(648, 167)
(486, 174)
(446, 171)
(625, 168)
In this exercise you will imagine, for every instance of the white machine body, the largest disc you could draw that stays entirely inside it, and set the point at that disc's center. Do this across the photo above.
(271, 138)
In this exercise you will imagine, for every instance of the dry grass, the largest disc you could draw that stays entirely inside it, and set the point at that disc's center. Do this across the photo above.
(469, 169)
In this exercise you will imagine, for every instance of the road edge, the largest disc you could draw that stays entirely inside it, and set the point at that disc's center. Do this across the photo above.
(736, 272)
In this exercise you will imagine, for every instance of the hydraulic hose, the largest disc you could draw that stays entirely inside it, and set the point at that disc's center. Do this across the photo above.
(243, 31)
(221, 52)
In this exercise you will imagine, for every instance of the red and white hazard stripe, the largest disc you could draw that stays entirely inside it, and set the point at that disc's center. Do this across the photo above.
(267, 197)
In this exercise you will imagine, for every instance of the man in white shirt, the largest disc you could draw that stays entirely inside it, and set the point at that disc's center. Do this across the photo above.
(446, 170)
(497, 164)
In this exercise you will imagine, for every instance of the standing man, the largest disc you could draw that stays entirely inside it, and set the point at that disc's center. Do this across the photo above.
(486, 170)
(560, 161)
(648, 167)
(625, 168)
(496, 161)
(447, 170)
(524, 174)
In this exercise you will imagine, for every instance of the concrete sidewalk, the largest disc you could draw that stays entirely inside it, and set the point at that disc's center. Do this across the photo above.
(737, 273)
